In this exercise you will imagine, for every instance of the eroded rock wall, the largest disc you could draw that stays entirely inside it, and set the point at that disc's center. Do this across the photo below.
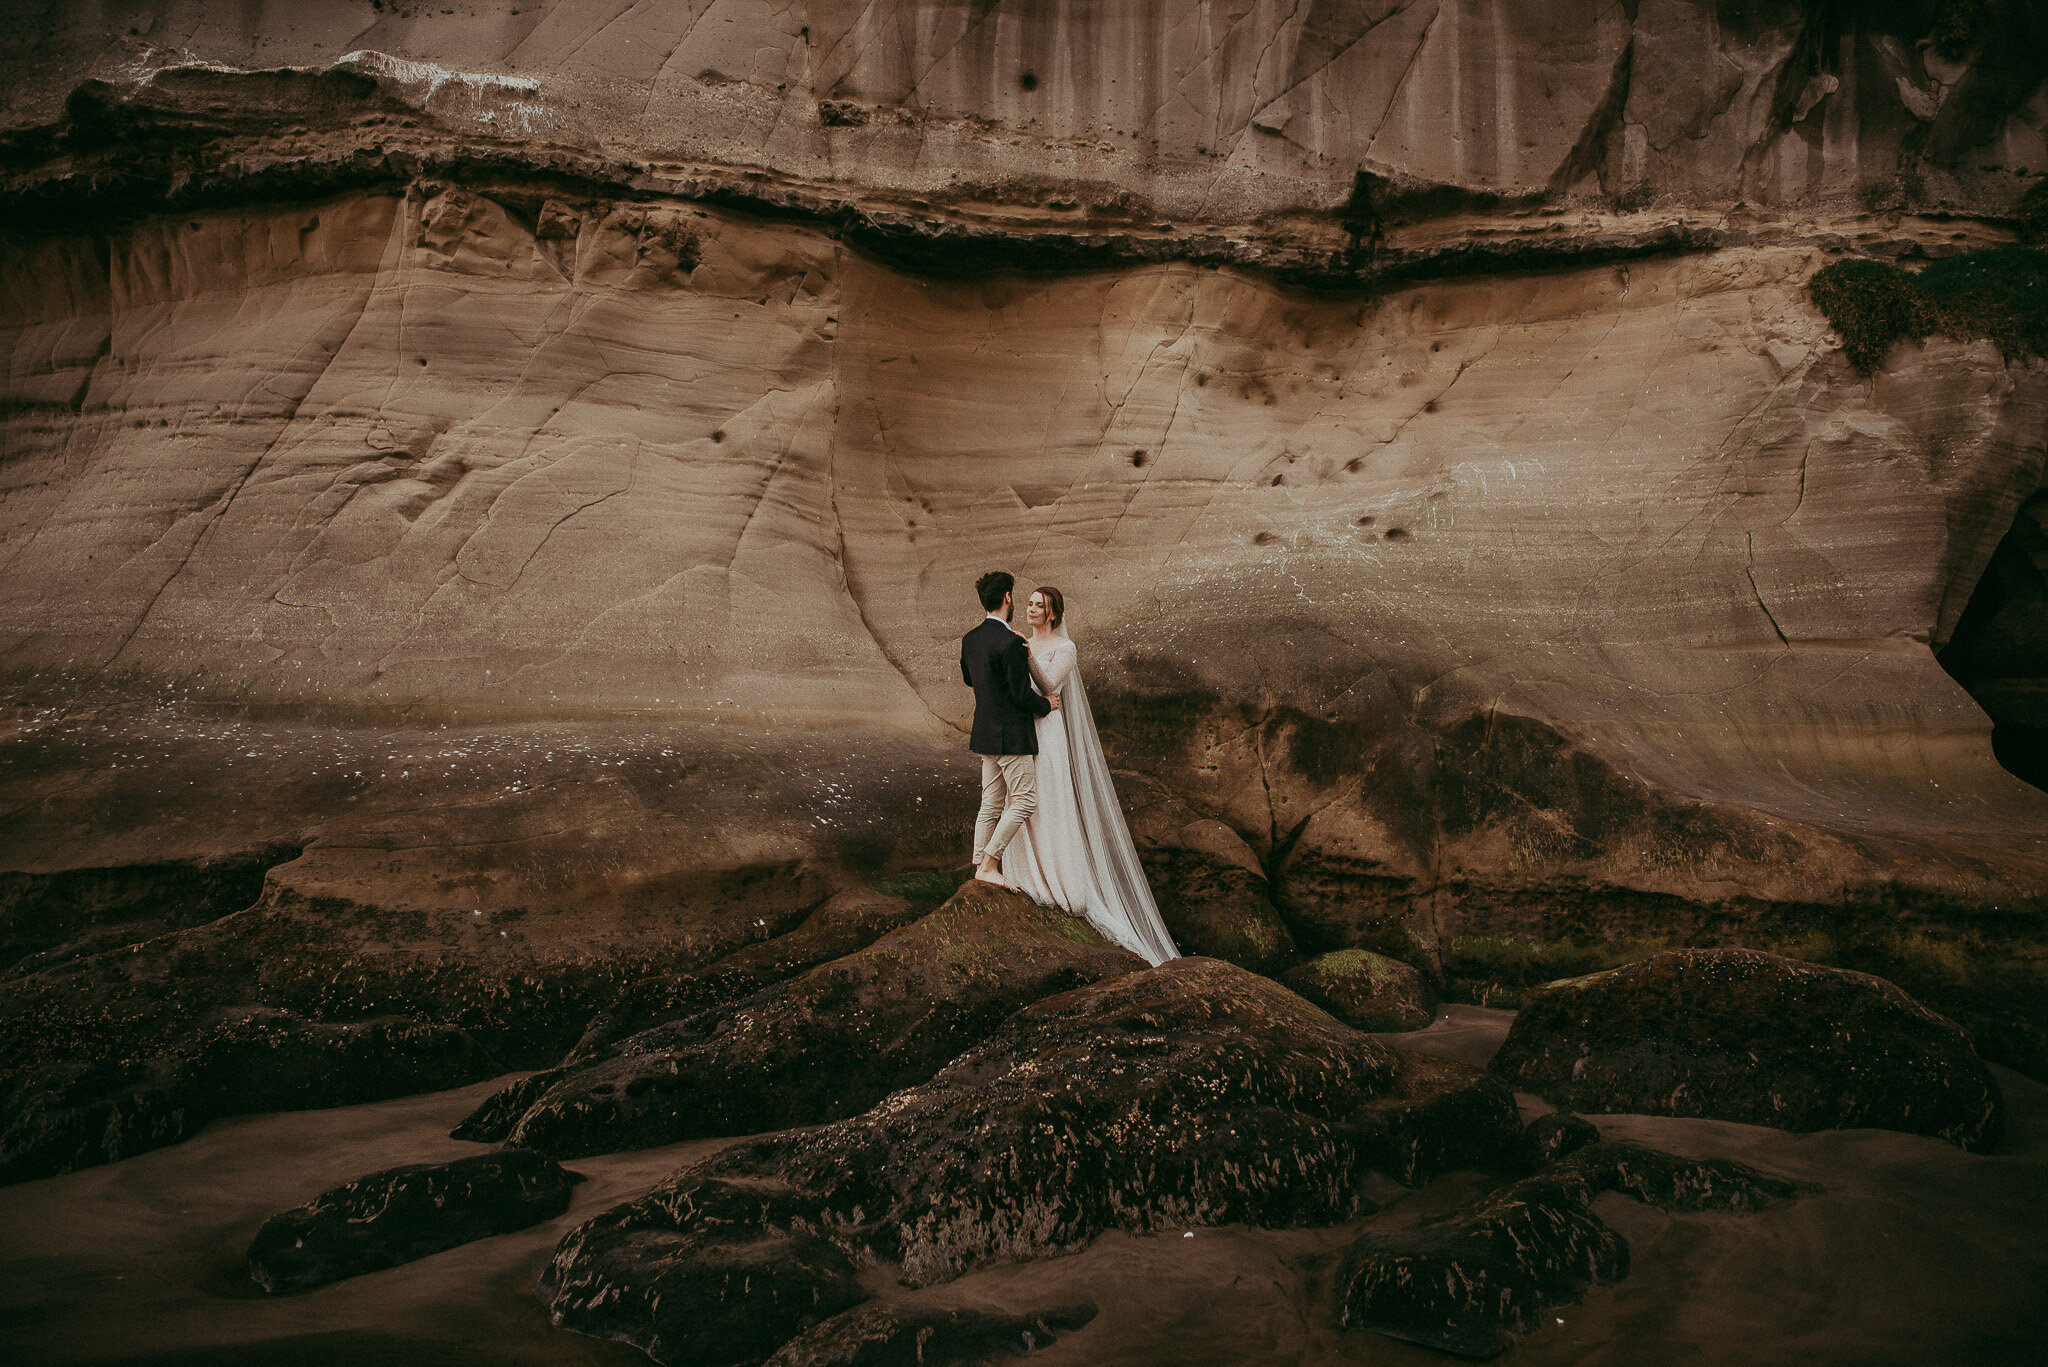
(540, 459)
(1220, 110)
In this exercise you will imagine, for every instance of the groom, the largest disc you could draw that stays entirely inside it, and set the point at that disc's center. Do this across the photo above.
(997, 666)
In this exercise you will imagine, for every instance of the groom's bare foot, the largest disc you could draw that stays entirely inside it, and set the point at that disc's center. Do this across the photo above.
(992, 872)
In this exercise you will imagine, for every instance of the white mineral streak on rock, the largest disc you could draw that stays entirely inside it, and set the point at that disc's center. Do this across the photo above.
(507, 105)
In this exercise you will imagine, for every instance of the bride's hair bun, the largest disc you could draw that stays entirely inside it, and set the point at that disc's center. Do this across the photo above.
(1056, 601)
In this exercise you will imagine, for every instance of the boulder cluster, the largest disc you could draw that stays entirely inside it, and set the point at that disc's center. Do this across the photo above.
(991, 1082)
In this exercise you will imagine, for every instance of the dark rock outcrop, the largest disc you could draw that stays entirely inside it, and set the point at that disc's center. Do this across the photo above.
(1366, 990)
(1669, 1182)
(1548, 1138)
(1472, 1281)
(886, 1336)
(1218, 910)
(827, 1044)
(2000, 648)
(1438, 1115)
(75, 1112)
(401, 1214)
(846, 922)
(1195, 1093)
(47, 918)
(1736, 1034)
(295, 1003)
(1467, 1285)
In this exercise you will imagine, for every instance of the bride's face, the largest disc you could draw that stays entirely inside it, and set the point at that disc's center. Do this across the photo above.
(1034, 610)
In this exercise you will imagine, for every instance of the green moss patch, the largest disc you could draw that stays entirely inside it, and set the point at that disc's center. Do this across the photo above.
(1507, 962)
(920, 888)
(1366, 991)
(1341, 963)
(2000, 293)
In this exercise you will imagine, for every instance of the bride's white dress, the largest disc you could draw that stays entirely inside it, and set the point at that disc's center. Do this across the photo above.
(1076, 852)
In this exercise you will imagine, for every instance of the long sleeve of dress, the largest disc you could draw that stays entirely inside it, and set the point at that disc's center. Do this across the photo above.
(1051, 672)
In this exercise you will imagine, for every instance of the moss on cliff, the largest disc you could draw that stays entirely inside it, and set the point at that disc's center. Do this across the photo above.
(2000, 293)
(1497, 969)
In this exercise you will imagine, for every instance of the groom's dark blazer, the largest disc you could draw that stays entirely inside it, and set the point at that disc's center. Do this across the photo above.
(997, 665)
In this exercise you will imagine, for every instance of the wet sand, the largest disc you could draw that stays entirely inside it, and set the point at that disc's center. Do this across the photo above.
(1915, 1253)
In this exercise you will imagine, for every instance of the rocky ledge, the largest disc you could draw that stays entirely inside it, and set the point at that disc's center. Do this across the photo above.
(828, 1043)
(1192, 1094)
(116, 1039)
(1736, 1034)
(404, 1213)
(1471, 1282)
(174, 143)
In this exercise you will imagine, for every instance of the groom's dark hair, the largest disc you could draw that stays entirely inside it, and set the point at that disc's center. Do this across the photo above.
(991, 587)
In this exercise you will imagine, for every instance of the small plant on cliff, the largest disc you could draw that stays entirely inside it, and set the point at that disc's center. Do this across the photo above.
(2000, 293)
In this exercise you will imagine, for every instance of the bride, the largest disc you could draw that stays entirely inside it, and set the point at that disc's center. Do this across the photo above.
(1076, 852)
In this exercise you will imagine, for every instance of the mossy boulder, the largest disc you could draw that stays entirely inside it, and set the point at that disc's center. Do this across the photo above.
(1191, 1094)
(1217, 909)
(826, 1044)
(1469, 1283)
(1436, 1116)
(1366, 990)
(1548, 1138)
(402, 1214)
(1738, 1034)
(929, 1336)
(1210, 886)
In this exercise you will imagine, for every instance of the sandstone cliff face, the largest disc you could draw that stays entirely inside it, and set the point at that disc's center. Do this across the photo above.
(1213, 109)
(560, 483)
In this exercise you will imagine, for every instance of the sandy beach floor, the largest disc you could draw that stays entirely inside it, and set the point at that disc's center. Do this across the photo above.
(1914, 1253)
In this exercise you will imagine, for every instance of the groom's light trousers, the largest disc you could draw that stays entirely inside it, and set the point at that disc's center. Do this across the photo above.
(1009, 795)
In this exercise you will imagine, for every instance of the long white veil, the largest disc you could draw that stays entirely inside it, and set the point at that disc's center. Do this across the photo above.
(1113, 867)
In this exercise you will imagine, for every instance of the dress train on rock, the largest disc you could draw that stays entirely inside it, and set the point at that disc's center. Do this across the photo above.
(1076, 851)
